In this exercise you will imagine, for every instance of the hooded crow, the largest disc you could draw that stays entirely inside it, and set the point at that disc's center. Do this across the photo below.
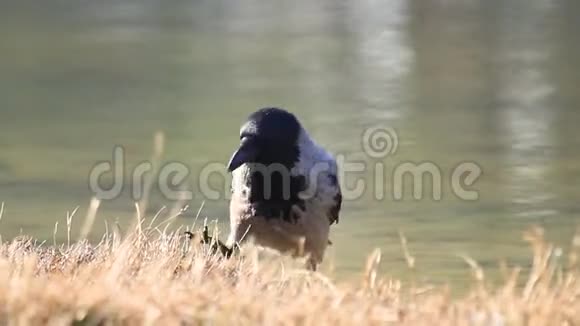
(285, 190)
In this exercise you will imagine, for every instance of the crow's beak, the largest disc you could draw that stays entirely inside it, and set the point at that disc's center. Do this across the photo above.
(247, 153)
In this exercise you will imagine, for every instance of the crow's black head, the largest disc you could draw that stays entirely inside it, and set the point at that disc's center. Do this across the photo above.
(269, 136)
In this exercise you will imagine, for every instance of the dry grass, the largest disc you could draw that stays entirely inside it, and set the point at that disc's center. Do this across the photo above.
(151, 276)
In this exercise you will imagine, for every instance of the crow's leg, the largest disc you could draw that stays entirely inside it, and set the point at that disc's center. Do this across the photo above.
(216, 244)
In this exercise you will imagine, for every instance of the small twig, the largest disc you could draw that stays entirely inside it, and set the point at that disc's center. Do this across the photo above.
(408, 257)
(156, 216)
(198, 213)
(54, 233)
(89, 219)
(139, 219)
(69, 217)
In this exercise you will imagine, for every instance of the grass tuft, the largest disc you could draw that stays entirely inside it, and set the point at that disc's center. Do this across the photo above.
(156, 277)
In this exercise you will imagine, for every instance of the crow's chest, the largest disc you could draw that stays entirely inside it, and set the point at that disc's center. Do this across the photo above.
(271, 195)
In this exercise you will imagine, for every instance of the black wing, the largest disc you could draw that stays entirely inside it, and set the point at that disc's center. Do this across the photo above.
(335, 209)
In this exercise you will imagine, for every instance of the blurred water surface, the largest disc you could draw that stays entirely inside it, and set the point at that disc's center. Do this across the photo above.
(495, 82)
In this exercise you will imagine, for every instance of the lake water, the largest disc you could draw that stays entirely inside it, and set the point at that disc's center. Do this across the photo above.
(491, 82)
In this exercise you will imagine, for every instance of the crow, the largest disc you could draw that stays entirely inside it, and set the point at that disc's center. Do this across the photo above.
(285, 187)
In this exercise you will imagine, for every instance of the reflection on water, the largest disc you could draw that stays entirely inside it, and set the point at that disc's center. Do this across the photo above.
(493, 82)
(529, 122)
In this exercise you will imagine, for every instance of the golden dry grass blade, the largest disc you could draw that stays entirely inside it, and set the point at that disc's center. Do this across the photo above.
(170, 279)
(158, 148)
(89, 219)
(408, 257)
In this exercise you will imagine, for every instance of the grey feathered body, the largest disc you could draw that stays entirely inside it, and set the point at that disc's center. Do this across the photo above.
(307, 232)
